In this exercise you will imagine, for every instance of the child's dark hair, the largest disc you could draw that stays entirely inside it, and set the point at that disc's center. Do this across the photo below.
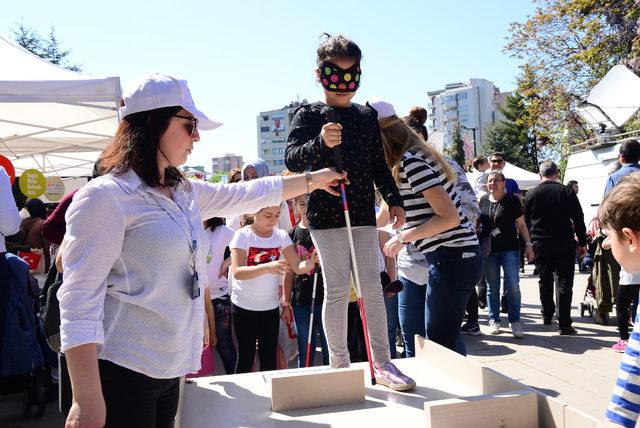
(620, 207)
(337, 47)
(213, 223)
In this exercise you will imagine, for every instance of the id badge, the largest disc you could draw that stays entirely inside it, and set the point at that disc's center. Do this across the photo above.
(495, 232)
(195, 288)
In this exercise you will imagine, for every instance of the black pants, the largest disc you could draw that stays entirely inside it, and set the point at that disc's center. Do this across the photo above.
(472, 308)
(555, 256)
(355, 334)
(627, 297)
(137, 400)
(250, 326)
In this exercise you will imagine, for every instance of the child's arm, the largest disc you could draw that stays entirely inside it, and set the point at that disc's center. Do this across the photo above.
(242, 272)
(297, 265)
(624, 407)
(305, 147)
(211, 317)
(286, 297)
(389, 262)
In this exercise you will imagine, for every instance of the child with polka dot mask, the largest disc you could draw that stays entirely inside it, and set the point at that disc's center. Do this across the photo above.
(311, 142)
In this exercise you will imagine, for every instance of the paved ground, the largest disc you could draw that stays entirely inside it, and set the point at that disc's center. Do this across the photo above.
(578, 370)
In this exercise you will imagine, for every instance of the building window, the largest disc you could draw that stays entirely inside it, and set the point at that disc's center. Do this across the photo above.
(265, 118)
(462, 96)
(278, 151)
(265, 129)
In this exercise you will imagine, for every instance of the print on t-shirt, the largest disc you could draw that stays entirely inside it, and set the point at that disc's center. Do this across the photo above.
(259, 256)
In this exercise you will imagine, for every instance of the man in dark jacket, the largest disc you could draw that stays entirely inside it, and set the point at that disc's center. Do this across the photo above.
(555, 216)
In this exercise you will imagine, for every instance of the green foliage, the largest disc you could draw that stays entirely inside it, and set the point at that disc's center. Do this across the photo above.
(47, 48)
(456, 152)
(568, 46)
(217, 177)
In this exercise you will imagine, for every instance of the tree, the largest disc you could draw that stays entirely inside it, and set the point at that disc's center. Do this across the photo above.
(456, 152)
(48, 48)
(568, 46)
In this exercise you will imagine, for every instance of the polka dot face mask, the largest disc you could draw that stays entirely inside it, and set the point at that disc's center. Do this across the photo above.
(336, 79)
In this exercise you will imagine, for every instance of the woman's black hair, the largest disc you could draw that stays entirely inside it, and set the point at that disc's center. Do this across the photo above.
(213, 223)
(36, 208)
(337, 47)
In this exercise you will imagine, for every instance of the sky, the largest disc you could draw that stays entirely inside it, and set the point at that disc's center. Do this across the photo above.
(243, 57)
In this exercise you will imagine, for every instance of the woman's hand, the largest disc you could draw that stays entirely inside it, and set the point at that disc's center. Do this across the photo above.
(528, 252)
(278, 267)
(393, 246)
(224, 268)
(286, 313)
(327, 178)
(89, 413)
(331, 134)
(206, 334)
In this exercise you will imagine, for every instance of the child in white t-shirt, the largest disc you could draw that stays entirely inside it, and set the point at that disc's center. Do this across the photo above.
(218, 263)
(258, 266)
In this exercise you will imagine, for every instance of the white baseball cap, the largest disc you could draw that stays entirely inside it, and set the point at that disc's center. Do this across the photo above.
(383, 108)
(152, 91)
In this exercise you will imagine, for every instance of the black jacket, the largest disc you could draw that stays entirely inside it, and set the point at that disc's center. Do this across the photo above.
(554, 211)
(362, 157)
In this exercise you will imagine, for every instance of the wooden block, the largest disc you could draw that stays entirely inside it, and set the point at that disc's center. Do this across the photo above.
(464, 370)
(574, 418)
(513, 409)
(329, 387)
(550, 411)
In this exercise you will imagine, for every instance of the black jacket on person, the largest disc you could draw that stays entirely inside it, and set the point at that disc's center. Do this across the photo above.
(362, 158)
(554, 212)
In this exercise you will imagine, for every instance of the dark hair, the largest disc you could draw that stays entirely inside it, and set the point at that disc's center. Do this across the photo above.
(548, 168)
(36, 208)
(413, 123)
(570, 183)
(420, 113)
(499, 174)
(501, 154)
(630, 150)
(213, 223)
(620, 207)
(135, 146)
(337, 47)
(479, 161)
(231, 174)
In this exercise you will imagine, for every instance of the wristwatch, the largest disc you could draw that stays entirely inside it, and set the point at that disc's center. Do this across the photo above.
(528, 243)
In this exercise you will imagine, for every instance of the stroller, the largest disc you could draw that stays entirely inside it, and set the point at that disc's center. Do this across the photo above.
(602, 284)
(21, 360)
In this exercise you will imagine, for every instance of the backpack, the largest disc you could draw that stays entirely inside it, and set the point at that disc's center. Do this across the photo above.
(20, 353)
(50, 308)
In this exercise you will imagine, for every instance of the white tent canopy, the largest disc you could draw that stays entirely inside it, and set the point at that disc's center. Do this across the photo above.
(524, 178)
(52, 119)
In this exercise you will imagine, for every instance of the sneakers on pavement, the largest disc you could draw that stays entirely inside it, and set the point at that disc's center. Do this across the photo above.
(620, 346)
(516, 330)
(391, 377)
(568, 331)
(494, 327)
(473, 330)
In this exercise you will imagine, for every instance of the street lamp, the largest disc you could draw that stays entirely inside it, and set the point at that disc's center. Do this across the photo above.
(475, 151)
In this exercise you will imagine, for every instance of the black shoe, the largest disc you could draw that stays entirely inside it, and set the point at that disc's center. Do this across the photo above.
(567, 331)
(547, 321)
(504, 305)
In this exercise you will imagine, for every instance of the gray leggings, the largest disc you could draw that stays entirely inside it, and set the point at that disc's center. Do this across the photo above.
(335, 259)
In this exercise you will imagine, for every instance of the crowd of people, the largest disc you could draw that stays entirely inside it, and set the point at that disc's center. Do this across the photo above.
(157, 268)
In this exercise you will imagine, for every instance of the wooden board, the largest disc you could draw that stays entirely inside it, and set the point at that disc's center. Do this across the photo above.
(516, 409)
(574, 418)
(305, 390)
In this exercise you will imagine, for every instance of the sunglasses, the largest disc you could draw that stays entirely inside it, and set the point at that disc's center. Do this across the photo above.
(496, 161)
(191, 127)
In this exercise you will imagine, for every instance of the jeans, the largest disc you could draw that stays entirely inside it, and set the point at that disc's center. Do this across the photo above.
(250, 326)
(225, 347)
(136, 400)
(509, 261)
(302, 316)
(453, 272)
(555, 256)
(391, 304)
(411, 309)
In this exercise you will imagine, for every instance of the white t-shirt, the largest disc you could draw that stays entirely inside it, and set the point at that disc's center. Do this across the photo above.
(219, 239)
(260, 293)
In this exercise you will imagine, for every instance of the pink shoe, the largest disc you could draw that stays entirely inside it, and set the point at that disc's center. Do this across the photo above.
(620, 346)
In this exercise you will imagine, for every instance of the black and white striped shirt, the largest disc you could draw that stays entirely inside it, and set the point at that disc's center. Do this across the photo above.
(420, 172)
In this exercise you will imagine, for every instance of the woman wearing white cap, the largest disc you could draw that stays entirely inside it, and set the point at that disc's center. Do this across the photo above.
(132, 313)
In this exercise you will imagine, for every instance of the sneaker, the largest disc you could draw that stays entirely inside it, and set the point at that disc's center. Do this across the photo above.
(516, 330)
(472, 330)
(620, 346)
(568, 331)
(392, 378)
(494, 327)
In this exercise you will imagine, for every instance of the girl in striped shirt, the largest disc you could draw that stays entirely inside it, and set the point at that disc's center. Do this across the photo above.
(435, 225)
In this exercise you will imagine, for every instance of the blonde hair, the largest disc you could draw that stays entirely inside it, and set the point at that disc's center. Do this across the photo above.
(398, 138)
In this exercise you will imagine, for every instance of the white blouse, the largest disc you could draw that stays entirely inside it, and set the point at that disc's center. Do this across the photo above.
(127, 268)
